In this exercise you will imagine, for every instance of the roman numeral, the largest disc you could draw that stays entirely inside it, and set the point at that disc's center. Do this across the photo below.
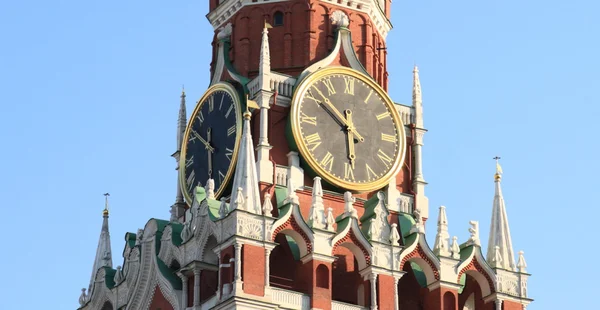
(329, 85)
(370, 173)
(384, 157)
(307, 119)
(190, 180)
(189, 162)
(221, 176)
(211, 103)
(200, 117)
(229, 111)
(221, 104)
(348, 171)
(383, 115)
(231, 130)
(327, 161)
(368, 96)
(313, 141)
(388, 138)
(228, 153)
(309, 95)
(349, 81)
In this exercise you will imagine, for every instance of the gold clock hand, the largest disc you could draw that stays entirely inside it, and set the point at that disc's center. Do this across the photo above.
(208, 147)
(350, 135)
(340, 118)
(208, 140)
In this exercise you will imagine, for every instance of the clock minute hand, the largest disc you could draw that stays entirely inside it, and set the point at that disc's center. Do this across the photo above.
(208, 147)
(208, 139)
(340, 118)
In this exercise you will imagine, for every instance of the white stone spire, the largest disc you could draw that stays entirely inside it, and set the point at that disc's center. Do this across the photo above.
(103, 252)
(245, 173)
(421, 201)
(179, 207)
(522, 265)
(265, 55)
(442, 238)
(499, 231)
(417, 98)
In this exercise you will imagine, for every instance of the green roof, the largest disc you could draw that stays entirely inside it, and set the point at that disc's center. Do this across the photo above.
(419, 274)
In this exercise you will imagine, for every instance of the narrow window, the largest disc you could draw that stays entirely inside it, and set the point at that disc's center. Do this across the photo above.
(278, 19)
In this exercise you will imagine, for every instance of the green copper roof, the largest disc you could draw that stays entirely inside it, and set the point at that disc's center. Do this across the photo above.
(213, 209)
(405, 221)
(419, 274)
(176, 233)
(293, 247)
(280, 195)
(109, 277)
(169, 274)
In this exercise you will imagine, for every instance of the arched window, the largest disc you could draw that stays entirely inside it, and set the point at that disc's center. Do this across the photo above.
(278, 19)
(322, 276)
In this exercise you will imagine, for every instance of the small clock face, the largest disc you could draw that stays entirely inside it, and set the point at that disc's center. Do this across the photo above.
(211, 140)
(347, 129)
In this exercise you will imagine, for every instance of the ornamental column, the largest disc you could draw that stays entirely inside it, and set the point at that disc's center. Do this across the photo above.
(237, 269)
(196, 287)
(184, 288)
(373, 280)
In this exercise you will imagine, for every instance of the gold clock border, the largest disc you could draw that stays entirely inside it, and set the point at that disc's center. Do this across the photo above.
(294, 112)
(220, 86)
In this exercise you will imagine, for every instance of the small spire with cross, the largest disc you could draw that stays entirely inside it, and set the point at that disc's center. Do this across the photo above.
(498, 168)
(105, 212)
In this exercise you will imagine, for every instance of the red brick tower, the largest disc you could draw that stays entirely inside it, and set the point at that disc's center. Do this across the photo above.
(313, 194)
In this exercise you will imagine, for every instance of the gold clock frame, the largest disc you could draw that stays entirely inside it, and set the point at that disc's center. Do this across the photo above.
(301, 89)
(220, 86)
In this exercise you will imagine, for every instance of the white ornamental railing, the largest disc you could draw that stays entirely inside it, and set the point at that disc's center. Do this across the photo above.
(290, 299)
(338, 305)
(281, 173)
(406, 113)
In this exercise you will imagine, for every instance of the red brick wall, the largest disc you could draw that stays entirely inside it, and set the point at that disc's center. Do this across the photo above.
(159, 302)
(345, 277)
(253, 269)
(305, 37)
(510, 305)
(471, 286)
(385, 292)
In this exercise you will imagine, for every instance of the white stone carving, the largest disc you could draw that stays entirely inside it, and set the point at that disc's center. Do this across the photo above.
(83, 298)
(223, 209)
(348, 207)
(474, 231)
(330, 219)
(394, 236)
(317, 210)
(418, 225)
(225, 32)
(291, 193)
(522, 265)
(339, 19)
(118, 275)
(210, 189)
(239, 200)
(455, 248)
(267, 205)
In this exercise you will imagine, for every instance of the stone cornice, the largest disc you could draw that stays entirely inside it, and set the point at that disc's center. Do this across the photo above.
(219, 16)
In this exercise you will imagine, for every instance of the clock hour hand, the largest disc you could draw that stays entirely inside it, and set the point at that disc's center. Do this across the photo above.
(208, 140)
(350, 135)
(197, 135)
(337, 115)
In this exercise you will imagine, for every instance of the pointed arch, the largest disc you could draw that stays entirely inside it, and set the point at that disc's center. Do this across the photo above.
(475, 266)
(352, 238)
(418, 252)
(292, 224)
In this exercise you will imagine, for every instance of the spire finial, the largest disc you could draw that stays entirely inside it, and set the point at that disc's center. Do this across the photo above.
(499, 172)
(105, 212)
(182, 90)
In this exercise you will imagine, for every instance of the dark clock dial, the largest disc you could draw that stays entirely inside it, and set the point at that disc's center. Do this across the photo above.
(347, 129)
(211, 140)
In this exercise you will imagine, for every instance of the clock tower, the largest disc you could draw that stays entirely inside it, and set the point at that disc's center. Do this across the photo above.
(300, 183)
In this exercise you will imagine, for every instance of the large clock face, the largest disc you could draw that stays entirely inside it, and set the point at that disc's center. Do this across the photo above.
(347, 129)
(211, 139)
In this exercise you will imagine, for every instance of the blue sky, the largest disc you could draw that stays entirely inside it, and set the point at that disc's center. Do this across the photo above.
(89, 97)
